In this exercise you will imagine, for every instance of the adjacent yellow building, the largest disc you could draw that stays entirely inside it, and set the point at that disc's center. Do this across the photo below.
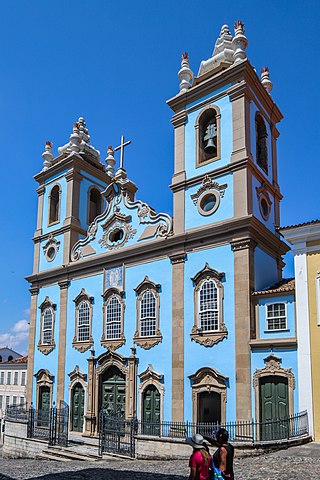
(305, 241)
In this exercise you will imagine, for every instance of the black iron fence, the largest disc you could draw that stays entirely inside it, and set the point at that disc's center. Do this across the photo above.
(247, 431)
(116, 435)
(50, 425)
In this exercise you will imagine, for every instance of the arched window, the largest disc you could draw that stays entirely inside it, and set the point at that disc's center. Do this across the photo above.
(261, 143)
(113, 324)
(54, 205)
(10, 358)
(208, 307)
(83, 340)
(113, 318)
(46, 343)
(209, 327)
(208, 136)
(94, 204)
(0, 358)
(148, 304)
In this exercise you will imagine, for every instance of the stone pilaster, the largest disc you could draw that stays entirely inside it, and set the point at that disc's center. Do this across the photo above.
(243, 251)
(178, 337)
(132, 390)
(73, 178)
(62, 340)
(31, 343)
(179, 121)
(91, 415)
(36, 257)
(240, 123)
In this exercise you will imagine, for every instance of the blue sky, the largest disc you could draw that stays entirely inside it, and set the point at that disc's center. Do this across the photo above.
(116, 64)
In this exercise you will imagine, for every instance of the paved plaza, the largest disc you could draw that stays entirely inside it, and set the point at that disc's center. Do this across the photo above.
(294, 463)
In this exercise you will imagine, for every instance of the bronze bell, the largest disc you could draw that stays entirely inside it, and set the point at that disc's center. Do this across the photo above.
(210, 145)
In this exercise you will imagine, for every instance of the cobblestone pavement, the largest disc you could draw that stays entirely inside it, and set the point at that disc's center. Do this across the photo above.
(295, 463)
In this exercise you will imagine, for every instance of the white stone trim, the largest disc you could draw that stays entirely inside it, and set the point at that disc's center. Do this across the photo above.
(303, 336)
(318, 297)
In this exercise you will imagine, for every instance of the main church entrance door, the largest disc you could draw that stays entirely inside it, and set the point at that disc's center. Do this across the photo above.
(113, 392)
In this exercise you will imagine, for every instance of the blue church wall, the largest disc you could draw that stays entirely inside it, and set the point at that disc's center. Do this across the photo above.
(44, 264)
(225, 107)
(61, 181)
(210, 95)
(94, 288)
(220, 356)
(160, 356)
(50, 361)
(265, 270)
(256, 209)
(253, 111)
(225, 210)
(86, 183)
(289, 360)
(288, 300)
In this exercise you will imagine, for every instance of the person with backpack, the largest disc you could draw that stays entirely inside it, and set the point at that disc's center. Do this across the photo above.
(223, 456)
(200, 460)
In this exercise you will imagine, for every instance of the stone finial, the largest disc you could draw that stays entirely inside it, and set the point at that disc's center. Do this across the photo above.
(110, 161)
(83, 130)
(75, 138)
(185, 74)
(47, 156)
(222, 56)
(265, 79)
(240, 42)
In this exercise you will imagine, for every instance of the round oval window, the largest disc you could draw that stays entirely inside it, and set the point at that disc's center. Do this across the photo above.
(208, 203)
(264, 208)
(51, 253)
(116, 235)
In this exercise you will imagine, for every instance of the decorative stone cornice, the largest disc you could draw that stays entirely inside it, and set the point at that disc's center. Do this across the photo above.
(150, 373)
(73, 174)
(147, 342)
(208, 184)
(243, 244)
(34, 290)
(64, 284)
(40, 190)
(179, 119)
(76, 374)
(178, 258)
(208, 339)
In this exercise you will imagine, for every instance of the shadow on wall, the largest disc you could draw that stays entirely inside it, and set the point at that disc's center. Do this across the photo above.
(104, 474)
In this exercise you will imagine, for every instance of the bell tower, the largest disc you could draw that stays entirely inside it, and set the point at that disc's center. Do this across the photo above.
(69, 197)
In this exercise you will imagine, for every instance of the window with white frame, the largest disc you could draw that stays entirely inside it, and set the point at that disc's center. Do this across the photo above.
(208, 307)
(14, 400)
(1, 400)
(47, 326)
(209, 327)
(276, 316)
(21, 400)
(15, 378)
(1, 378)
(148, 332)
(113, 313)
(8, 378)
(46, 342)
(83, 340)
(23, 378)
(83, 321)
(7, 400)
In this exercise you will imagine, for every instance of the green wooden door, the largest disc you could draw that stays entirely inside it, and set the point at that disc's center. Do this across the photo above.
(77, 408)
(151, 411)
(113, 392)
(44, 406)
(274, 406)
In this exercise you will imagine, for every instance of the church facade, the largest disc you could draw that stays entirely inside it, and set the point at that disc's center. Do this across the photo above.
(169, 318)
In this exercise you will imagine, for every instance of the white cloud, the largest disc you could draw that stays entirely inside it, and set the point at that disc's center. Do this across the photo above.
(17, 335)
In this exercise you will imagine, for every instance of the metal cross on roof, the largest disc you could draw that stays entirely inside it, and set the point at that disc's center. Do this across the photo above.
(121, 148)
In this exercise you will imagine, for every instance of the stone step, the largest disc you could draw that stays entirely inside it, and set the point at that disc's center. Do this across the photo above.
(47, 456)
(69, 453)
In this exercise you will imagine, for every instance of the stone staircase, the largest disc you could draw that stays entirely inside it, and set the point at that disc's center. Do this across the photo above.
(77, 449)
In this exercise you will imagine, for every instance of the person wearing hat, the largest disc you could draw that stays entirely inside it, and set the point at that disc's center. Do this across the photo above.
(200, 460)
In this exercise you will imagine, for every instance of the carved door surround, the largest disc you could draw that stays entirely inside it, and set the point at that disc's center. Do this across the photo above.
(151, 377)
(208, 379)
(44, 379)
(77, 376)
(96, 368)
(273, 368)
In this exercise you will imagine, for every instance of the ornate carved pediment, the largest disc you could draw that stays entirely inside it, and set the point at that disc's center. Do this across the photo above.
(83, 296)
(117, 231)
(106, 360)
(150, 374)
(206, 273)
(50, 248)
(145, 284)
(208, 375)
(82, 346)
(77, 374)
(273, 367)
(47, 303)
(46, 348)
(147, 342)
(208, 339)
(208, 184)
(114, 343)
(44, 376)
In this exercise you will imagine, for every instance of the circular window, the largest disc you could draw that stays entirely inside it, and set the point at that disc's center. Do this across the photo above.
(264, 208)
(208, 202)
(51, 253)
(116, 235)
